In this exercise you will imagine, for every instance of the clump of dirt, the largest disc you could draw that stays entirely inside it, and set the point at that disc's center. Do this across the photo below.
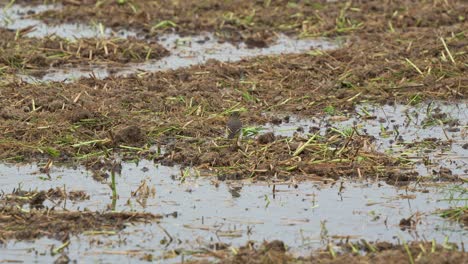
(19, 52)
(79, 114)
(18, 224)
(129, 135)
(400, 177)
(266, 138)
(268, 252)
(36, 198)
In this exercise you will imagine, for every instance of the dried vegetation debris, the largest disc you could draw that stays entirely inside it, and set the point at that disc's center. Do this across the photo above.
(385, 252)
(331, 156)
(405, 51)
(20, 53)
(370, 252)
(457, 214)
(36, 198)
(257, 21)
(191, 102)
(19, 224)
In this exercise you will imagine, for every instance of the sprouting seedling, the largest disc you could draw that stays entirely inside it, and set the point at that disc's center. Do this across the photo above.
(234, 109)
(447, 50)
(383, 131)
(114, 190)
(101, 29)
(331, 250)
(364, 110)
(416, 99)
(116, 163)
(185, 174)
(5, 15)
(315, 53)
(251, 131)
(163, 25)
(267, 200)
(396, 132)
(323, 230)
(330, 109)
(9, 5)
(408, 251)
(345, 132)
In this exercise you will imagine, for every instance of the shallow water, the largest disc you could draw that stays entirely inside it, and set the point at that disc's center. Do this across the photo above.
(396, 126)
(185, 51)
(189, 51)
(19, 17)
(305, 218)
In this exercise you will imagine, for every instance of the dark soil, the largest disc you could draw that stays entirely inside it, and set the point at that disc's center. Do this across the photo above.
(36, 198)
(21, 53)
(330, 157)
(15, 223)
(398, 51)
(256, 22)
(394, 52)
(382, 252)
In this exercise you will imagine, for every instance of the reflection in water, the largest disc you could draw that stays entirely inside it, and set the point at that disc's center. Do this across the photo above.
(202, 211)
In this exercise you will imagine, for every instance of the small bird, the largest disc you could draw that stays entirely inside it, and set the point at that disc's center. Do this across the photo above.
(234, 125)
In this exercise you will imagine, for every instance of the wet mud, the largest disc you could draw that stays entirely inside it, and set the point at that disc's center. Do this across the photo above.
(114, 139)
(429, 135)
(193, 216)
(379, 252)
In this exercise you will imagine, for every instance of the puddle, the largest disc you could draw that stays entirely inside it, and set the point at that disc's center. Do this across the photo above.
(305, 217)
(185, 51)
(189, 51)
(20, 17)
(396, 127)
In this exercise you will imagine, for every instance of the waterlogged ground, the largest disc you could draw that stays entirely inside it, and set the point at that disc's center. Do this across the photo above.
(113, 131)
(200, 212)
(431, 135)
(184, 51)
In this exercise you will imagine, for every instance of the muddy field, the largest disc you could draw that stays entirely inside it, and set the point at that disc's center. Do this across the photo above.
(233, 131)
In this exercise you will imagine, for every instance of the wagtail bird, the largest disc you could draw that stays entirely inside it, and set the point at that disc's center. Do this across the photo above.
(234, 125)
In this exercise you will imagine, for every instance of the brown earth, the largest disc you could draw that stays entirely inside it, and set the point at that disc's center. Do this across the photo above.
(16, 223)
(257, 22)
(35, 199)
(21, 53)
(398, 54)
(190, 104)
(395, 51)
(380, 252)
